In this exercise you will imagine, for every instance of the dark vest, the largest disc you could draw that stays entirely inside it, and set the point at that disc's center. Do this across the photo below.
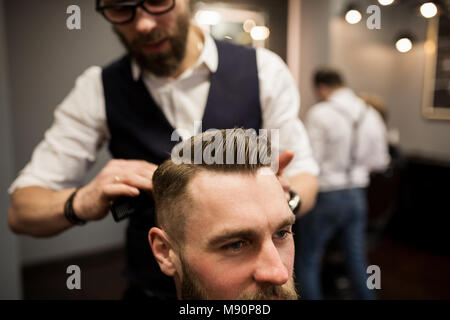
(139, 130)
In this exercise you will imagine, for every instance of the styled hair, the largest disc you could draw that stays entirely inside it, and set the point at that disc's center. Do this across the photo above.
(329, 77)
(246, 152)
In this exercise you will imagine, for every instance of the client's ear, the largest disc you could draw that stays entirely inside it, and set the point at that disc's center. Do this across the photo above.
(163, 251)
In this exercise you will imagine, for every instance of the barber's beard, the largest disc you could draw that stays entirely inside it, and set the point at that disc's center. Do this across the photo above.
(161, 64)
(192, 289)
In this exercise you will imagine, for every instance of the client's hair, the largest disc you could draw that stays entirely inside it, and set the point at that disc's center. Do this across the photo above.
(249, 153)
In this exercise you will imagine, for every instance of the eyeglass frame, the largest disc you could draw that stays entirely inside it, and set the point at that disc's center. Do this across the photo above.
(133, 5)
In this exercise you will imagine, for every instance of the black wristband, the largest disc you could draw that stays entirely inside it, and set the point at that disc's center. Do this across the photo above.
(69, 212)
(295, 202)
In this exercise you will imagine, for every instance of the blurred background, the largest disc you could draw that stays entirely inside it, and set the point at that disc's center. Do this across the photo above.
(409, 79)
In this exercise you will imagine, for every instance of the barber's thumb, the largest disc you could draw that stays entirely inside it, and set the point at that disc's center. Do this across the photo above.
(283, 160)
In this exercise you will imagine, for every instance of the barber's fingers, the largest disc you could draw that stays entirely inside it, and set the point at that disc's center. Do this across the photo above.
(136, 164)
(112, 191)
(140, 167)
(283, 160)
(133, 180)
(145, 172)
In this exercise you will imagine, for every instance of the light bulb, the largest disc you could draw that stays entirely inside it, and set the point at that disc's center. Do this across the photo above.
(385, 2)
(428, 10)
(353, 16)
(206, 17)
(248, 25)
(403, 45)
(259, 33)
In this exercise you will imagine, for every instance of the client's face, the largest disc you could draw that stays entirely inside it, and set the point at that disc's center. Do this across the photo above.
(238, 242)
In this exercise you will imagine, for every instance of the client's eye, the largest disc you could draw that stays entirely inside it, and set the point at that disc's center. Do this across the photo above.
(235, 246)
(283, 234)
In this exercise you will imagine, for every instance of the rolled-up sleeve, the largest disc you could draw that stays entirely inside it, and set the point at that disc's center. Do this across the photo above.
(280, 102)
(70, 146)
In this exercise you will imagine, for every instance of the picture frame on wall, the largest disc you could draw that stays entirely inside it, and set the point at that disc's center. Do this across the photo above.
(436, 94)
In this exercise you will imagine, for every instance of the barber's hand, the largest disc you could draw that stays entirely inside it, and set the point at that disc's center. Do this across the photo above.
(118, 178)
(283, 160)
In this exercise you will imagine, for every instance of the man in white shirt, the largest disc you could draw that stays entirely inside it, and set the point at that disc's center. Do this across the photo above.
(348, 139)
(175, 78)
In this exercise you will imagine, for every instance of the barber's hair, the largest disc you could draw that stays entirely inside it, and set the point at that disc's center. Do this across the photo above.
(328, 77)
(249, 154)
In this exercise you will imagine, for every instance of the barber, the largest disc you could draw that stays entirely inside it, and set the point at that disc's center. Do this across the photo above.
(173, 75)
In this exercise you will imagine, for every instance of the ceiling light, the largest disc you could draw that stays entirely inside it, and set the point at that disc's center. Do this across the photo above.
(403, 45)
(248, 25)
(385, 2)
(353, 16)
(259, 33)
(428, 10)
(207, 17)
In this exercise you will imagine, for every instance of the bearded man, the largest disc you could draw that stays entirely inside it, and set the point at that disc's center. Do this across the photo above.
(174, 79)
(224, 229)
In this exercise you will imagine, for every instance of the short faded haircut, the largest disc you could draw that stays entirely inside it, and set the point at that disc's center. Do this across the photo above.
(170, 180)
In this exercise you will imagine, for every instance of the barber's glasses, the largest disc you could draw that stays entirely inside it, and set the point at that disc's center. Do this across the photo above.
(121, 12)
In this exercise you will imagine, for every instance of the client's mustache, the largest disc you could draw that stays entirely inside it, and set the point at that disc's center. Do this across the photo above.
(284, 292)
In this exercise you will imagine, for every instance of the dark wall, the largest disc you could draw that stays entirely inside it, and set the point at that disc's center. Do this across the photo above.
(44, 59)
(422, 214)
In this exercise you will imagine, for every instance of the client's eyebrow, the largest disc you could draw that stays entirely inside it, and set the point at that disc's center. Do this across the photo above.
(287, 222)
(232, 234)
(245, 233)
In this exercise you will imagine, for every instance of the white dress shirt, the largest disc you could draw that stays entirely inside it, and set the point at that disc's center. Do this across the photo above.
(70, 146)
(329, 125)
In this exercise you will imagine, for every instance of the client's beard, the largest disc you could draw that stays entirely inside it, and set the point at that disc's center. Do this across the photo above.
(162, 64)
(192, 289)
(284, 292)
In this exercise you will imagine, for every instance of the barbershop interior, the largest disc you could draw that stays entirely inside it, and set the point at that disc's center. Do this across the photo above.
(393, 56)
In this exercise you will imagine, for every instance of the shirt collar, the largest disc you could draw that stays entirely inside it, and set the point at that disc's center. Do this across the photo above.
(341, 93)
(209, 57)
